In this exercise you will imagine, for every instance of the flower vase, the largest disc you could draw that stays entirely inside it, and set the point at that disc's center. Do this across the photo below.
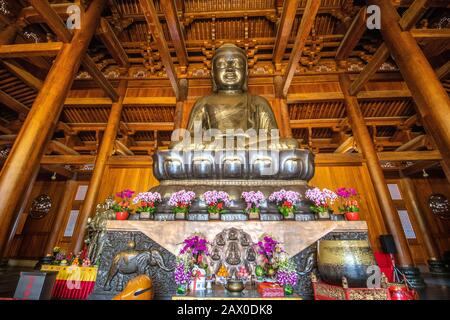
(323, 215)
(182, 289)
(288, 290)
(214, 215)
(145, 215)
(181, 213)
(122, 215)
(352, 216)
(287, 213)
(253, 214)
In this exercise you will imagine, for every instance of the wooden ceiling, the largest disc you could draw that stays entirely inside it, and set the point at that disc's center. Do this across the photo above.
(316, 106)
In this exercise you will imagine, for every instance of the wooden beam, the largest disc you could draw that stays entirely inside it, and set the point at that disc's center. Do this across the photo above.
(99, 78)
(66, 173)
(68, 159)
(337, 122)
(134, 126)
(285, 24)
(55, 23)
(22, 163)
(159, 101)
(176, 34)
(410, 155)
(443, 71)
(347, 146)
(418, 167)
(122, 149)
(12, 103)
(431, 99)
(151, 16)
(23, 74)
(26, 50)
(311, 8)
(353, 35)
(414, 144)
(109, 39)
(61, 148)
(430, 34)
(409, 19)
(87, 101)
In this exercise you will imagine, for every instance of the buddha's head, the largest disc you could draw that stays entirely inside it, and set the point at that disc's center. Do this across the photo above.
(229, 69)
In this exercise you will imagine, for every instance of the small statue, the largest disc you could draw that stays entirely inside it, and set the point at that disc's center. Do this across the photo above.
(96, 229)
(132, 261)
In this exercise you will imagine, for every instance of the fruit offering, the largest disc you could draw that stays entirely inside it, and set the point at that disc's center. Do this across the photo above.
(243, 273)
(222, 272)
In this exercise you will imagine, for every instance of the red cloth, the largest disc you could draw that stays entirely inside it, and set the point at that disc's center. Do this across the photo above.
(385, 263)
(62, 290)
(269, 290)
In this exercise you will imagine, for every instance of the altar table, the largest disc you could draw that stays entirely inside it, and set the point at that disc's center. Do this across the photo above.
(72, 282)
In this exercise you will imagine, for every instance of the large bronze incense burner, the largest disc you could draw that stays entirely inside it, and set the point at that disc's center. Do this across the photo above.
(231, 143)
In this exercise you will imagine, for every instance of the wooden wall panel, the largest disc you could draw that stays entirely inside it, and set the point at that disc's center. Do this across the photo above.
(356, 177)
(30, 241)
(424, 188)
(117, 178)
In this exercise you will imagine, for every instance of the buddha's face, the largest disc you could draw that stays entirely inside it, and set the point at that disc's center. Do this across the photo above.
(229, 71)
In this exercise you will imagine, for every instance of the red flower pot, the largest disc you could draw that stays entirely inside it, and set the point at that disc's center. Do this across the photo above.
(122, 215)
(352, 216)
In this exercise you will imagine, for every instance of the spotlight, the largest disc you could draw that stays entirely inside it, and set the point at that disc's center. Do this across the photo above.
(425, 174)
(54, 176)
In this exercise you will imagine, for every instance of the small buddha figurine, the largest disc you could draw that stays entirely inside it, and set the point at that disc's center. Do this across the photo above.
(231, 107)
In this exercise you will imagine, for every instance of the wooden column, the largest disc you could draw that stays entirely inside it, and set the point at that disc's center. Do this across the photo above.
(53, 237)
(103, 154)
(435, 263)
(433, 102)
(42, 119)
(365, 143)
(280, 103)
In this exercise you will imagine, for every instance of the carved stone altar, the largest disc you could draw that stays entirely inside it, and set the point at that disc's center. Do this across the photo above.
(298, 238)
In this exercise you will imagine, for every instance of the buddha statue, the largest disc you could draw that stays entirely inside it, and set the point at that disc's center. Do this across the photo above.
(231, 113)
(231, 143)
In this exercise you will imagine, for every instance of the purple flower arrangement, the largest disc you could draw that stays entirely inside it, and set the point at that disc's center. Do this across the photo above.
(181, 201)
(287, 273)
(196, 246)
(253, 199)
(268, 247)
(216, 200)
(285, 201)
(322, 199)
(148, 201)
(182, 273)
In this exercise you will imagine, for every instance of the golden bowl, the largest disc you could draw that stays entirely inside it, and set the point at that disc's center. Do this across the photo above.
(235, 285)
(349, 258)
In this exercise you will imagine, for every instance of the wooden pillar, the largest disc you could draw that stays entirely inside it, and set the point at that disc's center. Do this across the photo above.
(433, 102)
(53, 238)
(435, 263)
(390, 214)
(180, 106)
(281, 105)
(103, 154)
(41, 121)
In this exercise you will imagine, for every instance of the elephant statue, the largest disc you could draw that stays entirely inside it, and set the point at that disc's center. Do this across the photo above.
(133, 261)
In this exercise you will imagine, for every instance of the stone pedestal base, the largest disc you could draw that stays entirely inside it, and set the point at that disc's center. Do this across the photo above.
(438, 267)
(413, 276)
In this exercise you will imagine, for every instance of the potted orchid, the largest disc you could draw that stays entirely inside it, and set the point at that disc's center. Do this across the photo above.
(122, 208)
(181, 202)
(147, 203)
(349, 203)
(285, 200)
(195, 248)
(322, 200)
(183, 273)
(268, 248)
(217, 201)
(253, 200)
(287, 274)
